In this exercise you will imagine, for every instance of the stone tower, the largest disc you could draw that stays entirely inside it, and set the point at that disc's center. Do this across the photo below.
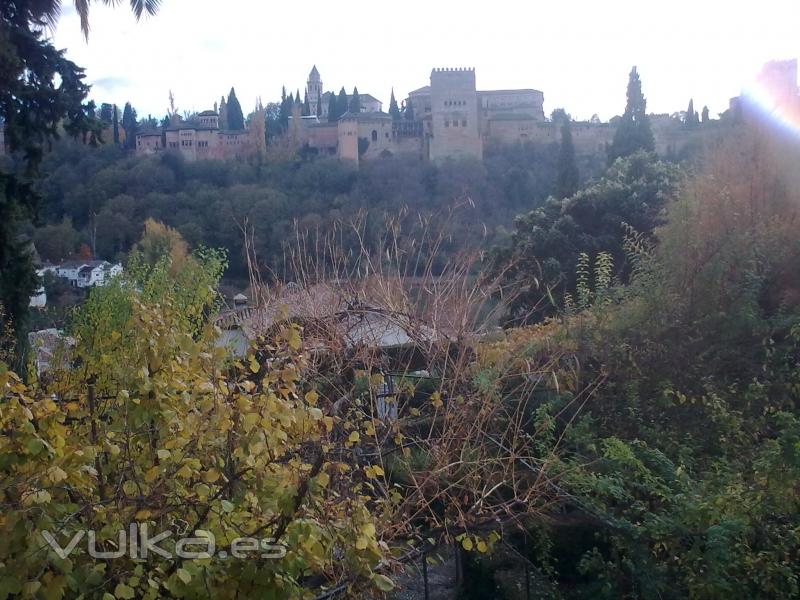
(314, 89)
(454, 115)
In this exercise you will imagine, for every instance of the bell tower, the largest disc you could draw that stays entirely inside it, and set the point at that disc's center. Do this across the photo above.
(314, 90)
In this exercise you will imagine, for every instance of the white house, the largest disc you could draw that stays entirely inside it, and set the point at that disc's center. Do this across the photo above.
(88, 273)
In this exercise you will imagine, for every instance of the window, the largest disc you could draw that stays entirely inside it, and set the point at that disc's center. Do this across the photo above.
(447, 123)
(374, 136)
(464, 123)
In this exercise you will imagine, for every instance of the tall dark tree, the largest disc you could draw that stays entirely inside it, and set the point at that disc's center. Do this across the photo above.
(106, 113)
(130, 125)
(705, 114)
(235, 115)
(355, 102)
(342, 103)
(394, 110)
(319, 104)
(306, 106)
(633, 132)
(333, 108)
(408, 111)
(41, 91)
(115, 125)
(567, 178)
(691, 115)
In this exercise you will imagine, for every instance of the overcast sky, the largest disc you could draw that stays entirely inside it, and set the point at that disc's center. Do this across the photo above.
(577, 52)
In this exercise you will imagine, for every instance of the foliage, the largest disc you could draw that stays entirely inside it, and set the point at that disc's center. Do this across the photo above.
(633, 131)
(157, 427)
(234, 113)
(568, 179)
(548, 241)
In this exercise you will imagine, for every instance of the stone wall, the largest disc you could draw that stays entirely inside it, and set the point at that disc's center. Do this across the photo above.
(454, 115)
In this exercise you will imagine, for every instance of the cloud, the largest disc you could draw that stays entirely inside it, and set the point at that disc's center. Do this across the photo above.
(111, 83)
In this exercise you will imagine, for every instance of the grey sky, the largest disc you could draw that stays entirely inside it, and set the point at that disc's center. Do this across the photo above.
(577, 52)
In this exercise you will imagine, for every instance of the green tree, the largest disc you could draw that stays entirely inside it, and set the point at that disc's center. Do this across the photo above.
(355, 102)
(56, 242)
(333, 108)
(235, 115)
(115, 125)
(306, 106)
(130, 124)
(548, 240)
(319, 104)
(394, 110)
(342, 103)
(568, 177)
(40, 93)
(705, 115)
(633, 131)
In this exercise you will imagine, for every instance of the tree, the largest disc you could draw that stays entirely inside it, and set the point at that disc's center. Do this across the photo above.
(705, 115)
(355, 102)
(408, 112)
(235, 115)
(342, 103)
(549, 240)
(568, 177)
(394, 110)
(333, 108)
(115, 125)
(56, 242)
(319, 104)
(130, 125)
(306, 106)
(41, 93)
(633, 132)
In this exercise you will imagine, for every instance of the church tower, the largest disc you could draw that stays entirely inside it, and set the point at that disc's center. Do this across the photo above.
(314, 90)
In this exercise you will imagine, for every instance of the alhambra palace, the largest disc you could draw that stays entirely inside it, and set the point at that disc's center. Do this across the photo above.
(452, 119)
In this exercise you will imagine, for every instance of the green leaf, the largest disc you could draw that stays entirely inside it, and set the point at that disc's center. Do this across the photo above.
(123, 591)
(383, 583)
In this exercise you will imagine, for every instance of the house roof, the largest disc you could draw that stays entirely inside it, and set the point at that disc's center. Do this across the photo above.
(208, 113)
(314, 72)
(75, 264)
(423, 90)
(366, 116)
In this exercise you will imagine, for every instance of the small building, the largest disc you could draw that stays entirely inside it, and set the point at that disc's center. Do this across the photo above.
(88, 273)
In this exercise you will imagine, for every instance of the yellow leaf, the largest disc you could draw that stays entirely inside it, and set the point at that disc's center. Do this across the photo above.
(253, 364)
(250, 420)
(482, 547)
(151, 474)
(142, 514)
(211, 476)
(354, 437)
(466, 543)
(362, 543)
(382, 582)
(311, 397)
(436, 400)
(163, 454)
(323, 479)
(328, 423)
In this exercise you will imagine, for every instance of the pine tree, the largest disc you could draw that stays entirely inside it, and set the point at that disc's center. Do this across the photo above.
(235, 115)
(130, 125)
(568, 177)
(333, 108)
(394, 111)
(633, 132)
(408, 112)
(115, 125)
(355, 102)
(341, 104)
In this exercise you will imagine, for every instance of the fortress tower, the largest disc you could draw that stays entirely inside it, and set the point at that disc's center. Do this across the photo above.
(314, 90)
(454, 115)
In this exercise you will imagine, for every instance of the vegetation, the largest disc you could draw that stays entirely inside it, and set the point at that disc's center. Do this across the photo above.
(633, 131)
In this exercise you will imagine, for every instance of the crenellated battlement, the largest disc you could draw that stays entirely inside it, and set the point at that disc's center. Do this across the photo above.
(454, 70)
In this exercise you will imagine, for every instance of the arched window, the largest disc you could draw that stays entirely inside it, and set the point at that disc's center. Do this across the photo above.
(374, 135)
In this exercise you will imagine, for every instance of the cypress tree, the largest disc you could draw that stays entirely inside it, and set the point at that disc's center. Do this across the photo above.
(235, 115)
(115, 125)
(705, 114)
(319, 104)
(341, 103)
(689, 120)
(130, 125)
(355, 102)
(568, 178)
(333, 108)
(306, 106)
(394, 111)
(633, 132)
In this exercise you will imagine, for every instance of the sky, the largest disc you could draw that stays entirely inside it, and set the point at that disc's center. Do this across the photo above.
(578, 52)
